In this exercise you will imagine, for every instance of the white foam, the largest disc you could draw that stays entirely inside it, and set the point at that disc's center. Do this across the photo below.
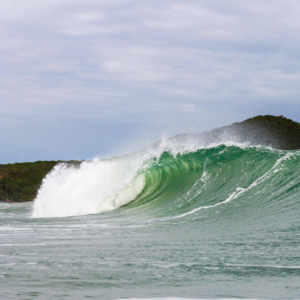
(103, 185)
(98, 185)
(95, 186)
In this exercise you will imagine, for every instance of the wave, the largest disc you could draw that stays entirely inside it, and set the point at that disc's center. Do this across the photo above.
(172, 180)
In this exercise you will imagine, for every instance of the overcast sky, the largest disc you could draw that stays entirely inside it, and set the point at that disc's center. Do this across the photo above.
(85, 78)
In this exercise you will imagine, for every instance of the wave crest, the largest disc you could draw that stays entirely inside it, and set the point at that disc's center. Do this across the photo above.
(169, 183)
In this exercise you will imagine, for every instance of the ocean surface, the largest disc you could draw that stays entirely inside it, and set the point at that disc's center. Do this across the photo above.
(173, 221)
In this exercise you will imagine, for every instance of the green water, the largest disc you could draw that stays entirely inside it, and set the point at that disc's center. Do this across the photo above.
(221, 222)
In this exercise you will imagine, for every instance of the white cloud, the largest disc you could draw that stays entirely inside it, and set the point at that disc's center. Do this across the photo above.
(145, 61)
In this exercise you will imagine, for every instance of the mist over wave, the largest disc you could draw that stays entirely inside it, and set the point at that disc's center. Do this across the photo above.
(175, 178)
(92, 187)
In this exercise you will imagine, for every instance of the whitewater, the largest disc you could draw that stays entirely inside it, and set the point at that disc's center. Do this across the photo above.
(177, 220)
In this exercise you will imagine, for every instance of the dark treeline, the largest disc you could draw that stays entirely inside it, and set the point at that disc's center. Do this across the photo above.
(276, 132)
(271, 131)
(20, 182)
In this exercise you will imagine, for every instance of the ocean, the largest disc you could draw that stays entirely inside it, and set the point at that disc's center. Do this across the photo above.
(177, 220)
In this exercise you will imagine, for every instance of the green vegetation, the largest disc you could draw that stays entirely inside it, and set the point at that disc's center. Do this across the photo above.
(278, 132)
(20, 182)
(271, 131)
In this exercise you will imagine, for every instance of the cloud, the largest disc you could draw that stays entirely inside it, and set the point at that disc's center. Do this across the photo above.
(201, 63)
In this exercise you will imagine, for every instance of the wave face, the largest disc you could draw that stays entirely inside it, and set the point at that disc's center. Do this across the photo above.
(173, 182)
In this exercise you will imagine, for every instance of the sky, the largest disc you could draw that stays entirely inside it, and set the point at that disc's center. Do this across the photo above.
(88, 78)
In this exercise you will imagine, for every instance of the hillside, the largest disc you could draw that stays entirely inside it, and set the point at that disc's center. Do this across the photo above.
(277, 132)
(271, 131)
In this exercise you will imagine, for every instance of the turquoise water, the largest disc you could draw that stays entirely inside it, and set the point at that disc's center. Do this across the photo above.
(201, 223)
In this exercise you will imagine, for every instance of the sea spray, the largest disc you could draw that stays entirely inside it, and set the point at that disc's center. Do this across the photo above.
(94, 186)
(172, 179)
(100, 185)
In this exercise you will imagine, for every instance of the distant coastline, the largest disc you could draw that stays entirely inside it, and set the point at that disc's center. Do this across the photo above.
(20, 182)
(277, 132)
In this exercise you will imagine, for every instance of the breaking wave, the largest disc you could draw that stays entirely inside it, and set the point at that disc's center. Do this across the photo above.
(172, 181)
